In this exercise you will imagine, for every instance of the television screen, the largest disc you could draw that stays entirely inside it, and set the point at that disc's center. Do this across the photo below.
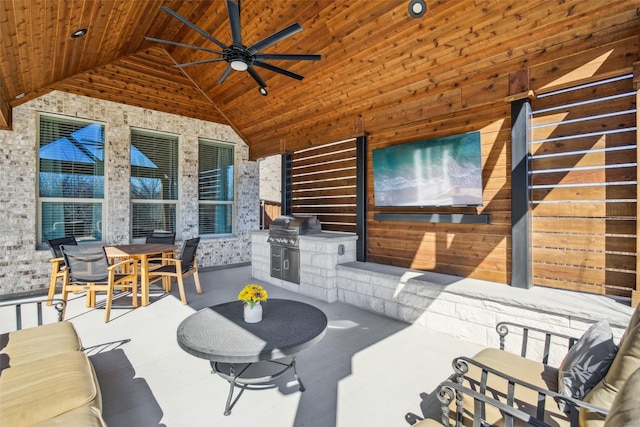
(438, 172)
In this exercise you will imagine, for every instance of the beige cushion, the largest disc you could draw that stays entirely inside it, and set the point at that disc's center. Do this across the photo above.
(633, 321)
(37, 391)
(428, 422)
(625, 409)
(85, 416)
(28, 345)
(626, 362)
(524, 369)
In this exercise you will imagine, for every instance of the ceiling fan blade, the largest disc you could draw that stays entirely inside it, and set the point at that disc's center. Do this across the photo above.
(224, 75)
(205, 61)
(193, 26)
(275, 38)
(278, 70)
(256, 76)
(234, 20)
(287, 56)
(190, 46)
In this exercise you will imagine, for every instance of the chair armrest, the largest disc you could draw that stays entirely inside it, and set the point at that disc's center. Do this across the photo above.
(127, 263)
(449, 391)
(461, 369)
(166, 260)
(58, 304)
(503, 330)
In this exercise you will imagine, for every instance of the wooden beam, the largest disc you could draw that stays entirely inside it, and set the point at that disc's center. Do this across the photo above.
(5, 109)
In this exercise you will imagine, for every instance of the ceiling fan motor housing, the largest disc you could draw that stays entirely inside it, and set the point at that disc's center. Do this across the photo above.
(238, 57)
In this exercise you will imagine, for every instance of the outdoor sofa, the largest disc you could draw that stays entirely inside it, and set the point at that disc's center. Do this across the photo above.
(46, 379)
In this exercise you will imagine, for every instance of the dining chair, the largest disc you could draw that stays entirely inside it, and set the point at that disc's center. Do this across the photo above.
(184, 265)
(58, 267)
(160, 236)
(89, 270)
(166, 237)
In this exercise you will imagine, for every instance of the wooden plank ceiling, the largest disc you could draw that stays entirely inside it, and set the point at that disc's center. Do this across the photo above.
(375, 57)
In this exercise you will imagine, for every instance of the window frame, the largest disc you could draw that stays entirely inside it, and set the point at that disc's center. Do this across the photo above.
(175, 202)
(40, 200)
(233, 202)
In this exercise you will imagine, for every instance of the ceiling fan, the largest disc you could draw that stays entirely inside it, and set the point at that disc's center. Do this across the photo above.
(237, 55)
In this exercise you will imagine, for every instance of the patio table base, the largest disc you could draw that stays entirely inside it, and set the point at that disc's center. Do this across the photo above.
(235, 378)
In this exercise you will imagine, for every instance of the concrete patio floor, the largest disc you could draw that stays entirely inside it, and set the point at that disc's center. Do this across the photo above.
(368, 370)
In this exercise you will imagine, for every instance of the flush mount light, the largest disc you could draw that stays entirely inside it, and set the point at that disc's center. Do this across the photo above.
(239, 65)
(263, 91)
(417, 8)
(78, 33)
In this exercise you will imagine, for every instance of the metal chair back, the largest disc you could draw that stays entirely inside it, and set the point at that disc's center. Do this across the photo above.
(86, 264)
(55, 244)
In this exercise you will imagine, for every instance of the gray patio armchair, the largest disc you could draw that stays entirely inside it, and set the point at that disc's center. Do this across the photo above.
(485, 385)
(180, 267)
(160, 236)
(58, 267)
(89, 270)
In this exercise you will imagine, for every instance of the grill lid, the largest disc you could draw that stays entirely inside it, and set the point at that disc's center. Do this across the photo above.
(285, 229)
(299, 224)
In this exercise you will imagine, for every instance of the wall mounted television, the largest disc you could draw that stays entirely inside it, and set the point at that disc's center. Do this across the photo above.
(444, 171)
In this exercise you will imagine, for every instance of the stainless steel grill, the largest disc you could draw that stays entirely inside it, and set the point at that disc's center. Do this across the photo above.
(283, 237)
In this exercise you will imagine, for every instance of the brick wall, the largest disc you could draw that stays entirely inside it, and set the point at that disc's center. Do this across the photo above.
(24, 268)
(270, 178)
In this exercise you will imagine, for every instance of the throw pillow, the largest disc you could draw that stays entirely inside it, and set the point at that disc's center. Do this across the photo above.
(586, 363)
(626, 362)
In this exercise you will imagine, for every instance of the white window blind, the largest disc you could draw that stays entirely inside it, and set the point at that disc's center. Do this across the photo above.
(70, 179)
(154, 182)
(215, 187)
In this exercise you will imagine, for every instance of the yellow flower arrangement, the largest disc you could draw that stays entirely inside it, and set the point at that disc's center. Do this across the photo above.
(253, 294)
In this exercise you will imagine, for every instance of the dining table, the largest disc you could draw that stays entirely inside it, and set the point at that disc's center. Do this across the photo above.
(142, 252)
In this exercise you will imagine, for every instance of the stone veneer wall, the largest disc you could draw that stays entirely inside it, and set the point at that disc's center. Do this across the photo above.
(470, 309)
(319, 255)
(24, 269)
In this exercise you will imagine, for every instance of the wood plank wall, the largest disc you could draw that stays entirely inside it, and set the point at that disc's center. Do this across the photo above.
(484, 251)
(268, 212)
(323, 182)
(584, 189)
(468, 250)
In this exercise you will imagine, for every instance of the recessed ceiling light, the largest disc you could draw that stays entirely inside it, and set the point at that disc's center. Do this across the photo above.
(417, 8)
(78, 33)
(20, 95)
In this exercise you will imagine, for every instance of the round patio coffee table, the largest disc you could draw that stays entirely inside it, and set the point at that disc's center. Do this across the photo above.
(220, 335)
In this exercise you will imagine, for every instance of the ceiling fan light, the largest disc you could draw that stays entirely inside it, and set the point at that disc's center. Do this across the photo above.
(239, 65)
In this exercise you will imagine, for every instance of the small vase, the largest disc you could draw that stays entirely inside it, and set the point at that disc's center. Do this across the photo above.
(252, 315)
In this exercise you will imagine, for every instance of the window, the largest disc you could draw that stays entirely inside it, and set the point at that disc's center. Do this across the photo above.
(215, 188)
(70, 179)
(154, 182)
